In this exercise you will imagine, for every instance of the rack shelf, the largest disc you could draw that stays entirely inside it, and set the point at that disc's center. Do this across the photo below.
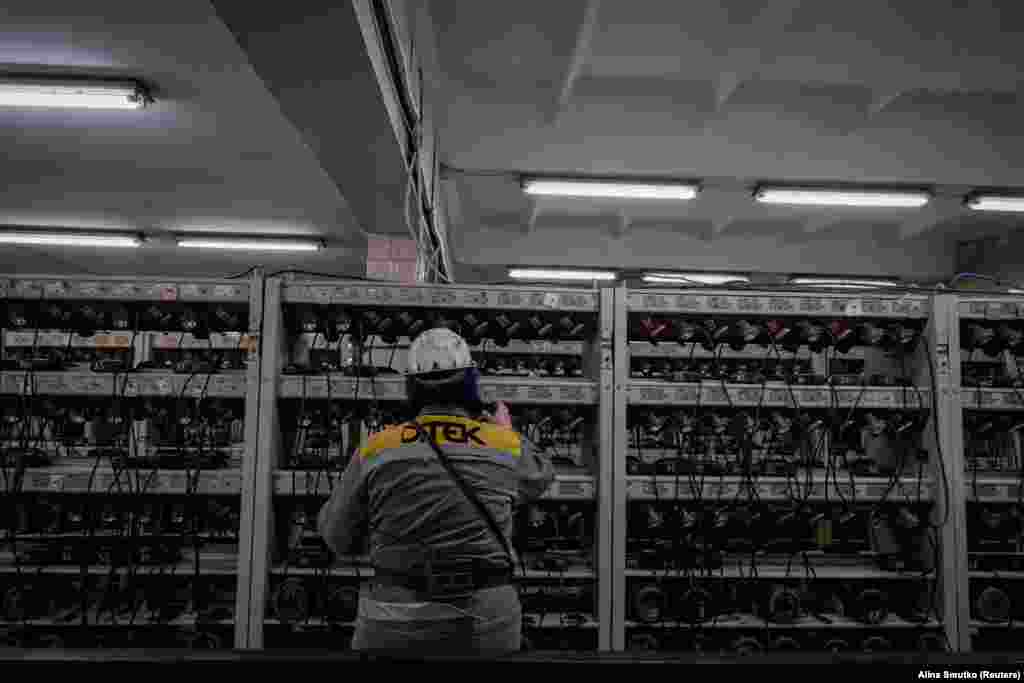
(779, 304)
(746, 621)
(146, 383)
(169, 290)
(711, 393)
(476, 298)
(391, 388)
(131, 482)
(713, 488)
(992, 399)
(311, 483)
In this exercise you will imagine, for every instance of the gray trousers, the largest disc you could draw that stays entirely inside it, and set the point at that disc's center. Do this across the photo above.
(487, 622)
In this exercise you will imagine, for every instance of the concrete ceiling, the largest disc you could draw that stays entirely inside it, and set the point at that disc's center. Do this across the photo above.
(730, 93)
(264, 122)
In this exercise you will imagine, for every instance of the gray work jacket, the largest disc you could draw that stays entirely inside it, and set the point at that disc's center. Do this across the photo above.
(396, 488)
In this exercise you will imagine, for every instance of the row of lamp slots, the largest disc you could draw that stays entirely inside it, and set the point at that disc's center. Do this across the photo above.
(122, 360)
(142, 599)
(86, 318)
(83, 521)
(997, 603)
(549, 536)
(787, 334)
(707, 536)
(992, 338)
(724, 642)
(780, 604)
(993, 442)
(316, 435)
(775, 443)
(794, 372)
(136, 432)
(501, 327)
(995, 537)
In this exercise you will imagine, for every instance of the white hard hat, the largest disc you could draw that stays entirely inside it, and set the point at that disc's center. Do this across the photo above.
(438, 350)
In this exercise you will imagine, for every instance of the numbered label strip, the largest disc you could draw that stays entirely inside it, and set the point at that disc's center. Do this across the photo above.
(393, 389)
(992, 309)
(992, 399)
(53, 339)
(227, 482)
(695, 352)
(303, 483)
(747, 395)
(230, 341)
(764, 303)
(989, 490)
(141, 384)
(532, 348)
(123, 290)
(774, 488)
(383, 294)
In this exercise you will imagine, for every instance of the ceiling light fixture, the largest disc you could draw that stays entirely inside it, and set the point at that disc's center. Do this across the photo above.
(991, 202)
(842, 283)
(249, 244)
(72, 93)
(609, 189)
(69, 239)
(577, 275)
(694, 278)
(854, 198)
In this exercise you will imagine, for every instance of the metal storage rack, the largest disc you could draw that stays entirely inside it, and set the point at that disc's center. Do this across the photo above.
(723, 539)
(986, 427)
(129, 414)
(329, 379)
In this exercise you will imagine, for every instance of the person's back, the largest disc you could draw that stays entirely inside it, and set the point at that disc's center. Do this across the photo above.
(443, 581)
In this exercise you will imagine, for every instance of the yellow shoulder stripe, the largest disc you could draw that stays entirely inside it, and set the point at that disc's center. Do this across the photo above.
(382, 441)
(446, 430)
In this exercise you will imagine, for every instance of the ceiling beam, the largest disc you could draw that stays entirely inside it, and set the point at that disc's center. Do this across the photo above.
(941, 208)
(535, 212)
(452, 202)
(818, 221)
(880, 101)
(718, 205)
(743, 62)
(621, 226)
(578, 59)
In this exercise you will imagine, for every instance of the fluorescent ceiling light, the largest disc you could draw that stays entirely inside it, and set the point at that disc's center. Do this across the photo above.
(540, 274)
(694, 278)
(71, 94)
(248, 244)
(855, 198)
(842, 283)
(57, 239)
(987, 202)
(609, 190)
(1016, 291)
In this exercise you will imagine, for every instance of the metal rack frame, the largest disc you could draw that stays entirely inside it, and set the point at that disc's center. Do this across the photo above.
(986, 489)
(165, 289)
(596, 390)
(757, 304)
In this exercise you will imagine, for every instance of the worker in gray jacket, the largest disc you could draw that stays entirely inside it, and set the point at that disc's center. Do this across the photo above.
(443, 581)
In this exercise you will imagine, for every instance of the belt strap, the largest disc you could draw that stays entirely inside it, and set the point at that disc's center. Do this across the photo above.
(441, 583)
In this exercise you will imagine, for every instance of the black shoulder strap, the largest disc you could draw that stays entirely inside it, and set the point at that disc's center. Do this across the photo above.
(470, 495)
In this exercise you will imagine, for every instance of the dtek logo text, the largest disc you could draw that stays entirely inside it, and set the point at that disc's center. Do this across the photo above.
(451, 432)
